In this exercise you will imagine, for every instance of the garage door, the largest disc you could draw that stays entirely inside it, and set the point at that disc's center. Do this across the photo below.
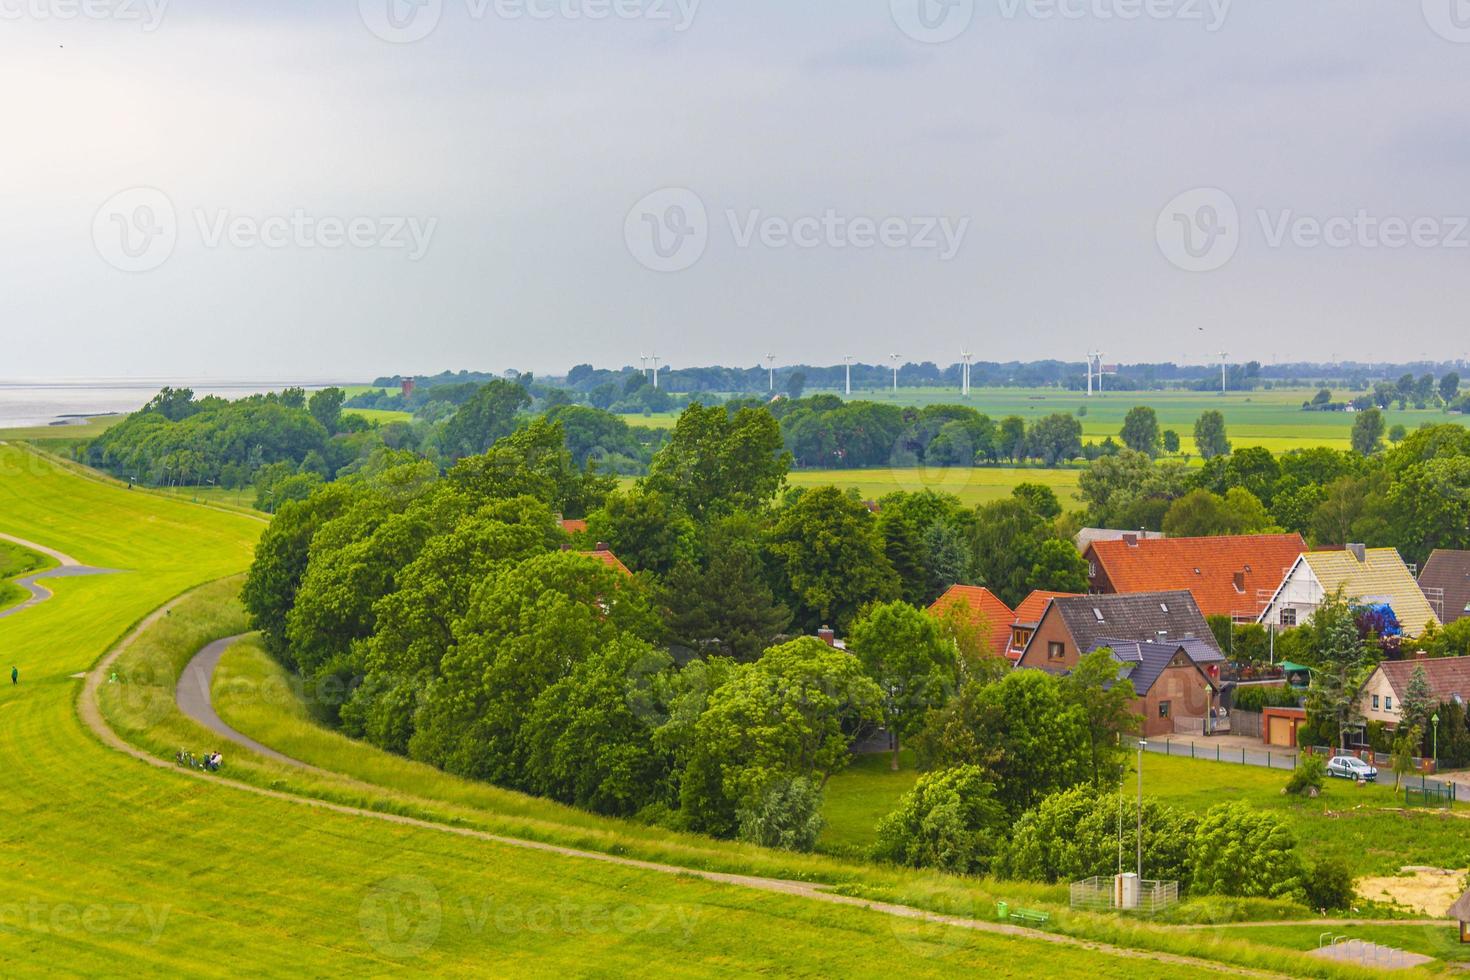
(1280, 732)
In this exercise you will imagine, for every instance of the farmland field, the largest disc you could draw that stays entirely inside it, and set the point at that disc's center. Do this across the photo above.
(379, 416)
(975, 485)
(113, 866)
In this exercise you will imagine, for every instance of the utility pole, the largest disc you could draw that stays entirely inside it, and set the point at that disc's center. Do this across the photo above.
(1142, 744)
(771, 371)
(848, 359)
(894, 359)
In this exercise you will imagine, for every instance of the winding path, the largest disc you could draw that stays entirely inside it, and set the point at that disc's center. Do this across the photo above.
(67, 567)
(193, 698)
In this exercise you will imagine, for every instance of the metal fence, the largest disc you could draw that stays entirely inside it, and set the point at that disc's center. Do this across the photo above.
(1098, 894)
(1278, 759)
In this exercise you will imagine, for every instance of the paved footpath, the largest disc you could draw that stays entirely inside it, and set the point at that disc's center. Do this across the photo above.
(67, 567)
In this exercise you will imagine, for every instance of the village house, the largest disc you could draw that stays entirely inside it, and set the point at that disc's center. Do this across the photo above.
(1160, 640)
(1383, 695)
(1367, 576)
(1227, 575)
(1007, 629)
(1445, 581)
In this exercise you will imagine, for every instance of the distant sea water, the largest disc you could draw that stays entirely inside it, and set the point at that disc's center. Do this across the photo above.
(25, 404)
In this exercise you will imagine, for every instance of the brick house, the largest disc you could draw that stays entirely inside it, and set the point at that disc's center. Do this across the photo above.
(1383, 695)
(1160, 640)
(1226, 574)
(1007, 630)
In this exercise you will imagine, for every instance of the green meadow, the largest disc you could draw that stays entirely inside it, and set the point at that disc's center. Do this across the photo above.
(975, 485)
(113, 866)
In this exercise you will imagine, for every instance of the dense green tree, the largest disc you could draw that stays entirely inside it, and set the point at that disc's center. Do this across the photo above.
(1429, 504)
(1209, 435)
(1449, 387)
(1021, 728)
(788, 715)
(1039, 497)
(533, 461)
(715, 461)
(1245, 852)
(1106, 702)
(914, 664)
(326, 407)
(1141, 430)
(1367, 436)
(1054, 439)
(1342, 663)
(1129, 490)
(1011, 438)
(526, 629)
(829, 558)
(488, 416)
(1171, 441)
(721, 603)
(584, 742)
(949, 821)
(646, 529)
(1201, 513)
(1013, 552)
(1073, 834)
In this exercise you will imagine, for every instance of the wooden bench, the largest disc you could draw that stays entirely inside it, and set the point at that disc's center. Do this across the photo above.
(1030, 917)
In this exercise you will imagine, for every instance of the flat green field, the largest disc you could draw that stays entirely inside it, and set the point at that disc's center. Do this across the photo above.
(112, 866)
(1366, 827)
(17, 562)
(379, 416)
(977, 485)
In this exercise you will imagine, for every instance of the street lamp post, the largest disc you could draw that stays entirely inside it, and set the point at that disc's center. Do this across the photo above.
(1435, 719)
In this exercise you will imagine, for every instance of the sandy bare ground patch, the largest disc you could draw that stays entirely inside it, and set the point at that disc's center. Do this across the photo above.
(1428, 890)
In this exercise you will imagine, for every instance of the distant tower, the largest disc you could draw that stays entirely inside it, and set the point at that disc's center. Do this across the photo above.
(1223, 356)
(405, 387)
(965, 374)
(848, 359)
(654, 359)
(894, 358)
(771, 372)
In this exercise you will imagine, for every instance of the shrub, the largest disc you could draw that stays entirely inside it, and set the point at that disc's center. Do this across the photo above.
(1329, 885)
(787, 815)
(1309, 774)
(1257, 697)
(950, 820)
(1241, 851)
(1074, 835)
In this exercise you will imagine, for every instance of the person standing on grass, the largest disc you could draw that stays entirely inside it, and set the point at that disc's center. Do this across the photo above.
(15, 675)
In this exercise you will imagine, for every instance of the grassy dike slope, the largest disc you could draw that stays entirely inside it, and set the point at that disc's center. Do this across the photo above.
(108, 865)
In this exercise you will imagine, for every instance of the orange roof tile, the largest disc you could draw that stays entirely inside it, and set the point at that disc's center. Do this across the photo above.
(607, 558)
(574, 526)
(982, 603)
(1207, 567)
(1031, 607)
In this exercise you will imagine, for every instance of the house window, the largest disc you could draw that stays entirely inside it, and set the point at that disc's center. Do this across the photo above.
(1387, 703)
(1164, 708)
(1055, 650)
(1288, 616)
(1092, 569)
(1375, 702)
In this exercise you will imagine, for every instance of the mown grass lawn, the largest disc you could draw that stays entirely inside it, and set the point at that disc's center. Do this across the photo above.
(114, 867)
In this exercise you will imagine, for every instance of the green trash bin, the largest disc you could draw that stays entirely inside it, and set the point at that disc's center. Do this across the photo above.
(1002, 911)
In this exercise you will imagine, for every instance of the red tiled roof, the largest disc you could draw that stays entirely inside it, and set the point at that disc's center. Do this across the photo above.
(1447, 676)
(574, 526)
(607, 558)
(1207, 567)
(1031, 607)
(981, 603)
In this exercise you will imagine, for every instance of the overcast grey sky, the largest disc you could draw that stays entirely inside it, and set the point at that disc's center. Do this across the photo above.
(251, 189)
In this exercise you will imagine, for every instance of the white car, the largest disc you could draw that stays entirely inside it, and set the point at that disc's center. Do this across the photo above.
(1351, 767)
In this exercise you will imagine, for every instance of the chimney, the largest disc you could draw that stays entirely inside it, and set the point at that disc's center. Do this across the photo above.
(601, 546)
(1240, 582)
(1358, 551)
(1130, 539)
(826, 635)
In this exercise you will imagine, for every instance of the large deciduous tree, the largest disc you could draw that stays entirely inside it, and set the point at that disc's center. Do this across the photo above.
(1141, 430)
(715, 461)
(905, 651)
(1209, 435)
(489, 415)
(830, 559)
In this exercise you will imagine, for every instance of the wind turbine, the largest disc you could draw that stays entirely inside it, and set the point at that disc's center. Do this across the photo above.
(654, 359)
(965, 376)
(1090, 358)
(1222, 355)
(848, 359)
(643, 364)
(894, 358)
(771, 371)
